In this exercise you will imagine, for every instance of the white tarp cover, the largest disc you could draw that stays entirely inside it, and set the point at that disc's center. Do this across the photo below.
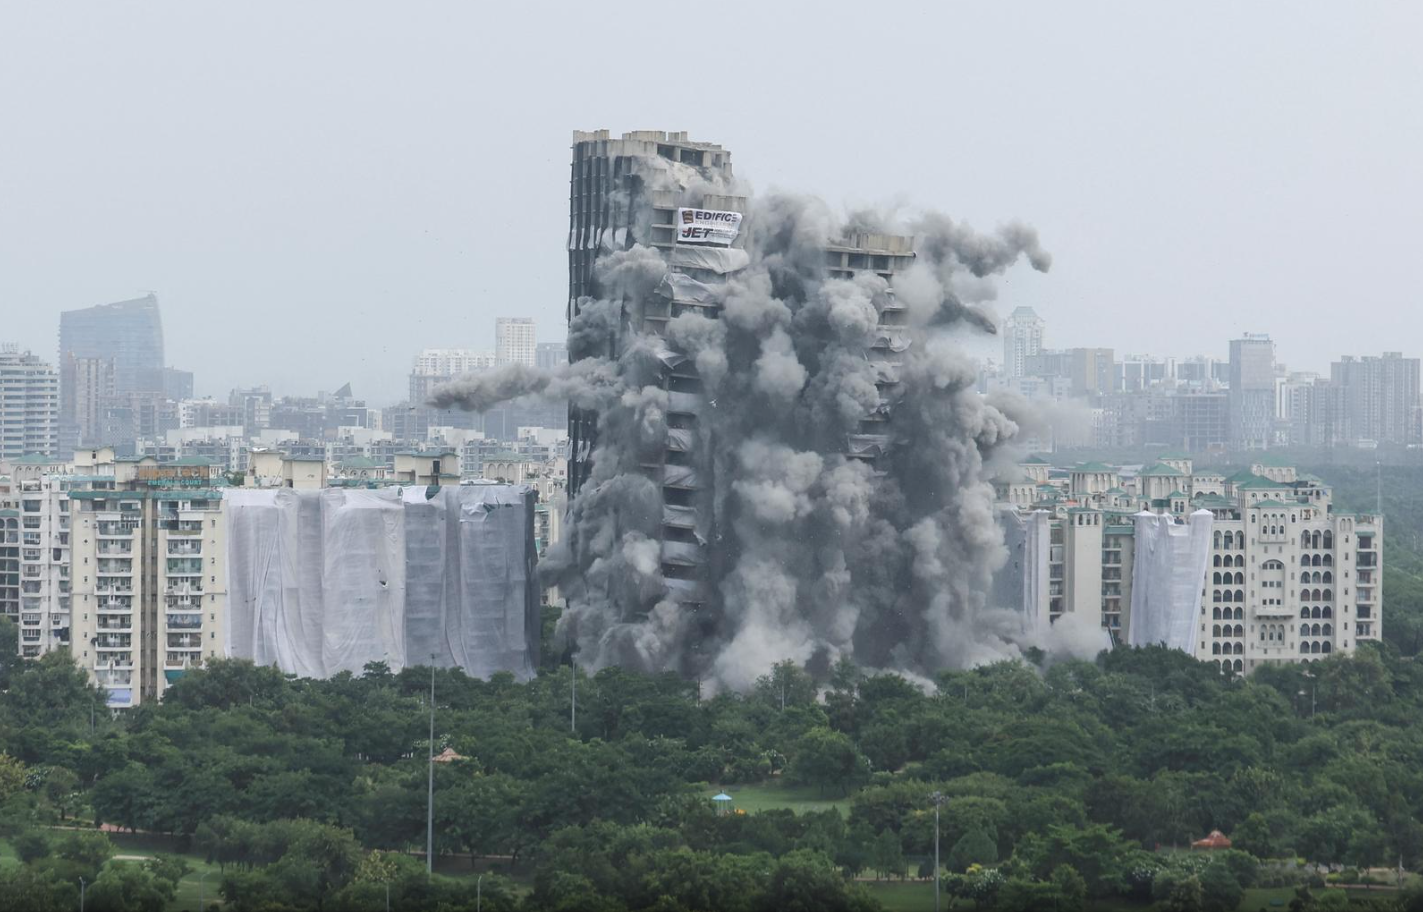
(325, 581)
(1169, 569)
(1021, 583)
(720, 260)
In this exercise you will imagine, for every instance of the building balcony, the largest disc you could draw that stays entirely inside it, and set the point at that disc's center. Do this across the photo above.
(185, 621)
(106, 547)
(125, 626)
(185, 547)
(175, 588)
(113, 641)
(110, 588)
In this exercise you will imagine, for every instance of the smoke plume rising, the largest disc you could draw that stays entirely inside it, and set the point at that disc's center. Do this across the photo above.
(834, 499)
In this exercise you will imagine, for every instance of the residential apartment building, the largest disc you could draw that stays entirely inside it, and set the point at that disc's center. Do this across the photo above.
(1022, 339)
(1252, 391)
(29, 405)
(1288, 578)
(148, 576)
(514, 341)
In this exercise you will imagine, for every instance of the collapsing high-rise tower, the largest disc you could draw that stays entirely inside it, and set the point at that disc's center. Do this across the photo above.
(666, 192)
(777, 445)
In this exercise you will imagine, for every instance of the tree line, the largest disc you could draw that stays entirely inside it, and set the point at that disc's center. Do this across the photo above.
(1060, 784)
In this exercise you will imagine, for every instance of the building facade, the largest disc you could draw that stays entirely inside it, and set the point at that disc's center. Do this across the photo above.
(29, 405)
(1252, 391)
(1022, 339)
(514, 341)
(1288, 578)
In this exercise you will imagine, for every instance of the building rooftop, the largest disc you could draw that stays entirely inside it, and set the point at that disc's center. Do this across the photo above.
(1035, 459)
(361, 462)
(36, 459)
(1274, 462)
(1093, 467)
(1259, 483)
(192, 461)
(1160, 470)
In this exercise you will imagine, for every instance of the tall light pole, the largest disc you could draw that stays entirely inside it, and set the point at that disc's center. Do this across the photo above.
(430, 804)
(81, 894)
(479, 893)
(938, 799)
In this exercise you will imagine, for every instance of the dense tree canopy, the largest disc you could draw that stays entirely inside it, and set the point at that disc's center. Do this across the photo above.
(1059, 783)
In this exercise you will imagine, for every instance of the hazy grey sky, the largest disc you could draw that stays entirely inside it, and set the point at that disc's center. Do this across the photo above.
(318, 190)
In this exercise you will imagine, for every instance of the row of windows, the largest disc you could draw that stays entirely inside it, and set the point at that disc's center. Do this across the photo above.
(1227, 649)
(1227, 560)
(1218, 630)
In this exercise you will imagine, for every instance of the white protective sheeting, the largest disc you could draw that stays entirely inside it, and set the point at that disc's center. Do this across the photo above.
(721, 260)
(1021, 584)
(326, 581)
(1169, 569)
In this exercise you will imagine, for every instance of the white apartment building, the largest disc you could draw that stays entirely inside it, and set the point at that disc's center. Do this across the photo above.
(451, 362)
(514, 341)
(1289, 579)
(41, 487)
(29, 405)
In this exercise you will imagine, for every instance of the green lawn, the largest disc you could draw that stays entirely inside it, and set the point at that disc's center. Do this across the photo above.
(906, 896)
(768, 796)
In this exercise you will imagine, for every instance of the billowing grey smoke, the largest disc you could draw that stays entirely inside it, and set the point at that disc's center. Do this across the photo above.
(805, 537)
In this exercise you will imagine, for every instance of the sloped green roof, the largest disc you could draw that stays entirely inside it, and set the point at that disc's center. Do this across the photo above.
(1242, 475)
(1160, 470)
(1260, 483)
(36, 459)
(1274, 462)
(1177, 493)
(1035, 459)
(1116, 491)
(1093, 467)
(1270, 503)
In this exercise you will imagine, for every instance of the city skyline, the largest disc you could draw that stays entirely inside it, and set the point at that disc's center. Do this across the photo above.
(289, 208)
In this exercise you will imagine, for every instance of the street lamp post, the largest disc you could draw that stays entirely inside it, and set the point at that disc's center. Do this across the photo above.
(938, 799)
(202, 890)
(478, 893)
(430, 804)
(81, 894)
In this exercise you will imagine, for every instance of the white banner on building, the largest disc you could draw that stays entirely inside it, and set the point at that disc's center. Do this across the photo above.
(707, 226)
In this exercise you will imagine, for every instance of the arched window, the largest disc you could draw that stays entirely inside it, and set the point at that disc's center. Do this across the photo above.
(1327, 647)
(1317, 561)
(1215, 613)
(1239, 665)
(1328, 612)
(1240, 649)
(1215, 596)
(1328, 576)
(1304, 649)
(1239, 614)
(1314, 612)
(1239, 579)
(1329, 595)
(1217, 544)
(1329, 630)
(1215, 630)
(1315, 595)
(1239, 630)
(1304, 612)
(1215, 579)
(1240, 595)
(1328, 560)
(1314, 647)
(1304, 560)
(1215, 649)
(1328, 540)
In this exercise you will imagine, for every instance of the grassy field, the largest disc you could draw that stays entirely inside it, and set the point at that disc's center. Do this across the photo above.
(774, 795)
(906, 896)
